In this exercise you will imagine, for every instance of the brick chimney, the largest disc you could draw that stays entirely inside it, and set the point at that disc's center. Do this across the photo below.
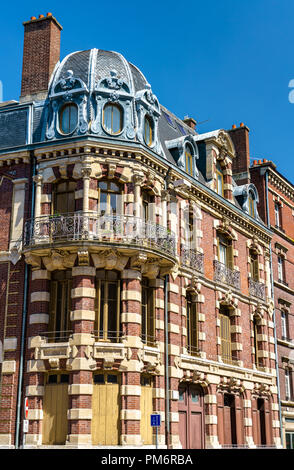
(41, 52)
(190, 122)
(241, 163)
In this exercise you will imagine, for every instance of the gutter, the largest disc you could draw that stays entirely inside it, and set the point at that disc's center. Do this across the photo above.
(274, 312)
(23, 330)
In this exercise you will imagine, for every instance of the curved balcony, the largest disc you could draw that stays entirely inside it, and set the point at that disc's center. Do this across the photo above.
(119, 230)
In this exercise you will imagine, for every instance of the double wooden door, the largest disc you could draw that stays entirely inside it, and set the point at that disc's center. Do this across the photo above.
(261, 422)
(191, 416)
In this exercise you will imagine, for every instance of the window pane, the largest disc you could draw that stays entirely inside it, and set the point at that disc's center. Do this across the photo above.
(112, 379)
(116, 120)
(194, 396)
(69, 118)
(107, 118)
(99, 379)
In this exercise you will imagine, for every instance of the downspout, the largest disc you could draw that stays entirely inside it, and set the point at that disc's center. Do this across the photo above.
(274, 312)
(23, 328)
(167, 404)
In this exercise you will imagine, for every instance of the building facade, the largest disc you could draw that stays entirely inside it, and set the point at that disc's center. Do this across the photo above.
(135, 265)
(277, 211)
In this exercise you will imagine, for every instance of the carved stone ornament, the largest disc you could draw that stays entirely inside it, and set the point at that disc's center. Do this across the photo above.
(33, 260)
(54, 362)
(59, 260)
(83, 258)
(150, 270)
(228, 299)
(109, 259)
(195, 285)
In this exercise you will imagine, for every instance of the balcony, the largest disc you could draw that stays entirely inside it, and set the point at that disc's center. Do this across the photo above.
(191, 258)
(225, 275)
(105, 230)
(256, 289)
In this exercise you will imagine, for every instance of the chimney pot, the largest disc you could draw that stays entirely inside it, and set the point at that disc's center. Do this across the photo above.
(41, 16)
(33, 17)
(259, 162)
(254, 162)
(264, 160)
(190, 122)
(241, 124)
(234, 126)
(49, 14)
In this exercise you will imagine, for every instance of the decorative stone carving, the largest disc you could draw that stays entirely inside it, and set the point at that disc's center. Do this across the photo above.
(33, 260)
(150, 270)
(109, 259)
(53, 362)
(83, 258)
(59, 260)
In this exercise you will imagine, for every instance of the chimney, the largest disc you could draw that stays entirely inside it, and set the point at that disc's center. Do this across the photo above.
(241, 163)
(41, 52)
(190, 122)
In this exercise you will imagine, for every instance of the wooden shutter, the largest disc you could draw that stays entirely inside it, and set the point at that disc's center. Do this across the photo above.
(230, 257)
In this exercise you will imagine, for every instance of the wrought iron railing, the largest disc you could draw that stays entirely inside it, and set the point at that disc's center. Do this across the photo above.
(257, 289)
(91, 226)
(225, 275)
(192, 258)
(193, 350)
(56, 336)
(149, 340)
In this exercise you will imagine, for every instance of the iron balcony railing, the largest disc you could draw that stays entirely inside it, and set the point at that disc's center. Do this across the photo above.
(56, 336)
(92, 226)
(191, 258)
(225, 275)
(257, 289)
(109, 336)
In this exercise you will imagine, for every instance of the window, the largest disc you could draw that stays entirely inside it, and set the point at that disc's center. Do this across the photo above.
(60, 306)
(225, 335)
(190, 228)
(189, 160)
(219, 179)
(277, 215)
(148, 131)
(281, 269)
(284, 321)
(255, 333)
(112, 118)
(289, 440)
(64, 197)
(288, 388)
(225, 251)
(147, 308)
(110, 200)
(254, 269)
(251, 205)
(192, 333)
(107, 305)
(68, 118)
(147, 201)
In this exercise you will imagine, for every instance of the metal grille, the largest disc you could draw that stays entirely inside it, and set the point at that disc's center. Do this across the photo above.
(225, 275)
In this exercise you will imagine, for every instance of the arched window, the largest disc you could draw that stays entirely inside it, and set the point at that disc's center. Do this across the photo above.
(225, 334)
(112, 118)
(219, 179)
(148, 131)
(189, 160)
(110, 200)
(60, 306)
(251, 204)
(68, 118)
(192, 330)
(148, 312)
(64, 197)
(254, 266)
(107, 305)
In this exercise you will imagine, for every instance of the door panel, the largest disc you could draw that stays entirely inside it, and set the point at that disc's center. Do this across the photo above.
(183, 428)
(55, 414)
(196, 430)
(105, 421)
(146, 411)
(191, 417)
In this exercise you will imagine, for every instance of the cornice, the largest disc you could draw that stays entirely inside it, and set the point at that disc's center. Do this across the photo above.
(281, 184)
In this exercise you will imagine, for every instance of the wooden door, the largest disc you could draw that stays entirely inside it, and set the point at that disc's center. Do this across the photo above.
(146, 410)
(105, 409)
(191, 416)
(55, 406)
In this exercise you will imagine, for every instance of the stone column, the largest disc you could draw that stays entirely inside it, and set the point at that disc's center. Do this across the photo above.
(164, 197)
(38, 180)
(130, 385)
(81, 385)
(210, 403)
(138, 180)
(37, 325)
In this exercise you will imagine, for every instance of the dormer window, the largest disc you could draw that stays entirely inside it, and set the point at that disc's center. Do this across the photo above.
(112, 118)
(189, 160)
(148, 131)
(68, 118)
(219, 179)
(251, 203)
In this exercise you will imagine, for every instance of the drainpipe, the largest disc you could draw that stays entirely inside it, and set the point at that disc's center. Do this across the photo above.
(274, 312)
(167, 404)
(23, 329)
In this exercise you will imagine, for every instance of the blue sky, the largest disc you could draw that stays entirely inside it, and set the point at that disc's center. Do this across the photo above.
(219, 61)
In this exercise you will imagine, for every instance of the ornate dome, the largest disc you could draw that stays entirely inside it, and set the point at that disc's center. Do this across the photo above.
(93, 65)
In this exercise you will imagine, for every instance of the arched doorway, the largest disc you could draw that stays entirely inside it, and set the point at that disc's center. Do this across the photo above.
(191, 415)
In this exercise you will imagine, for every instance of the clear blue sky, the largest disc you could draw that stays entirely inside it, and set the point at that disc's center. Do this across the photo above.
(225, 61)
